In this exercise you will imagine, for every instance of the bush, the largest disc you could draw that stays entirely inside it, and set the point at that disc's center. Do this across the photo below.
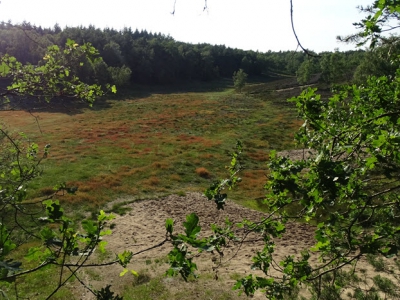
(203, 172)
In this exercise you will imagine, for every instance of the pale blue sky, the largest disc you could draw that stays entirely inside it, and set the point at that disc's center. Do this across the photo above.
(246, 24)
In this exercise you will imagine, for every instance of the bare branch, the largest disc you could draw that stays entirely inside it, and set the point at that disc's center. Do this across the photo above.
(295, 34)
(174, 7)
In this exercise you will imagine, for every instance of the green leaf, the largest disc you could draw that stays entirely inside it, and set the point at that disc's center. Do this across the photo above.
(124, 258)
(4, 69)
(39, 253)
(102, 245)
(33, 253)
(11, 265)
(104, 217)
(54, 210)
(90, 227)
(46, 233)
(370, 162)
(191, 225)
(169, 225)
(114, 89)
(105, 232)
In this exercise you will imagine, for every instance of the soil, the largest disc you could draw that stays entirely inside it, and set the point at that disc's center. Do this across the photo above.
(144, 226)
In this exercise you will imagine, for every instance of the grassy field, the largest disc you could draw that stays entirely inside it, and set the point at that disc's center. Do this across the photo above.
(148, 144)
(155, 142)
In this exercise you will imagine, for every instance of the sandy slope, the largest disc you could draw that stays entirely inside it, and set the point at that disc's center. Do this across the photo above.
(143, 227)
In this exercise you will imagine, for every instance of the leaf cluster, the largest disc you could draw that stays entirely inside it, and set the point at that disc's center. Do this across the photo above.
(40, 222)
(347, 183)
(382, 17)
(55, 76)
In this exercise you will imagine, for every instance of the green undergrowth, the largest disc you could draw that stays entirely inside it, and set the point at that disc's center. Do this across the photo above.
(160, 287)
(26, 284)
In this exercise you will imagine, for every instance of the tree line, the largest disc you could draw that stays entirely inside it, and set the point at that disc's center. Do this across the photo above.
(133, 56)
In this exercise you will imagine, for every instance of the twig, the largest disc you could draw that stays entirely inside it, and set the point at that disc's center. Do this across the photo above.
(173, 10)
(336, 268)
(37, 122)
(81, 282)
(174, 7)
(11, 277)
(295, 34)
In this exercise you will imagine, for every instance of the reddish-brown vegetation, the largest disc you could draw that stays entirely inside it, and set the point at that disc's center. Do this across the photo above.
(152, 143)
(203, 172)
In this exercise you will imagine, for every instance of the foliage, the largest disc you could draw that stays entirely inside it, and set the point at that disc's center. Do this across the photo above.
(120, 76)
(215, 191)
(380, 61)
(306, 70)
(152, 58)
(56, 240)
(378, 31)
(42, 222)
(107, 294)
(239, 80)
(346, 186)
(54, 76)
(380, 19)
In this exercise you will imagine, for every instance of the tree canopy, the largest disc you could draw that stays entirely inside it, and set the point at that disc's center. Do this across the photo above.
(133, 56)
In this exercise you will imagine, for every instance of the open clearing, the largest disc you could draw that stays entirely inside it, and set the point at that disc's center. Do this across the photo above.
(167, 146)
(155, 144)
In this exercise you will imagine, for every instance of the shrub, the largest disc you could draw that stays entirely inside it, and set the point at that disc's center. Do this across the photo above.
(203, 172)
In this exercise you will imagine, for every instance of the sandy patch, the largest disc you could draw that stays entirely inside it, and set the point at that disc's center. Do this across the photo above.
(144, 226)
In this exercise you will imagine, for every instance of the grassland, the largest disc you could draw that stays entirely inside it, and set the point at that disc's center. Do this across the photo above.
(148, 144)
(152, 143)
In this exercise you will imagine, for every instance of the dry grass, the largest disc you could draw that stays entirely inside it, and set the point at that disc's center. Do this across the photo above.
(151, 145)
(203, 172)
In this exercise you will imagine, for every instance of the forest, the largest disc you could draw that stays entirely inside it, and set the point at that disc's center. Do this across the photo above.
(132, 56)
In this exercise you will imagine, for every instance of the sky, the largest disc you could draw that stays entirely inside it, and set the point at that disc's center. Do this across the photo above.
(259, 25)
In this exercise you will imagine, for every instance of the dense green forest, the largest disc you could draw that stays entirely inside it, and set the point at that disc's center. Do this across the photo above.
(132, 56)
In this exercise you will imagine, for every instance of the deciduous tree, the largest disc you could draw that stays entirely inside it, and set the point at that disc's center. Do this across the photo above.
(239, 80)
(346, 187)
